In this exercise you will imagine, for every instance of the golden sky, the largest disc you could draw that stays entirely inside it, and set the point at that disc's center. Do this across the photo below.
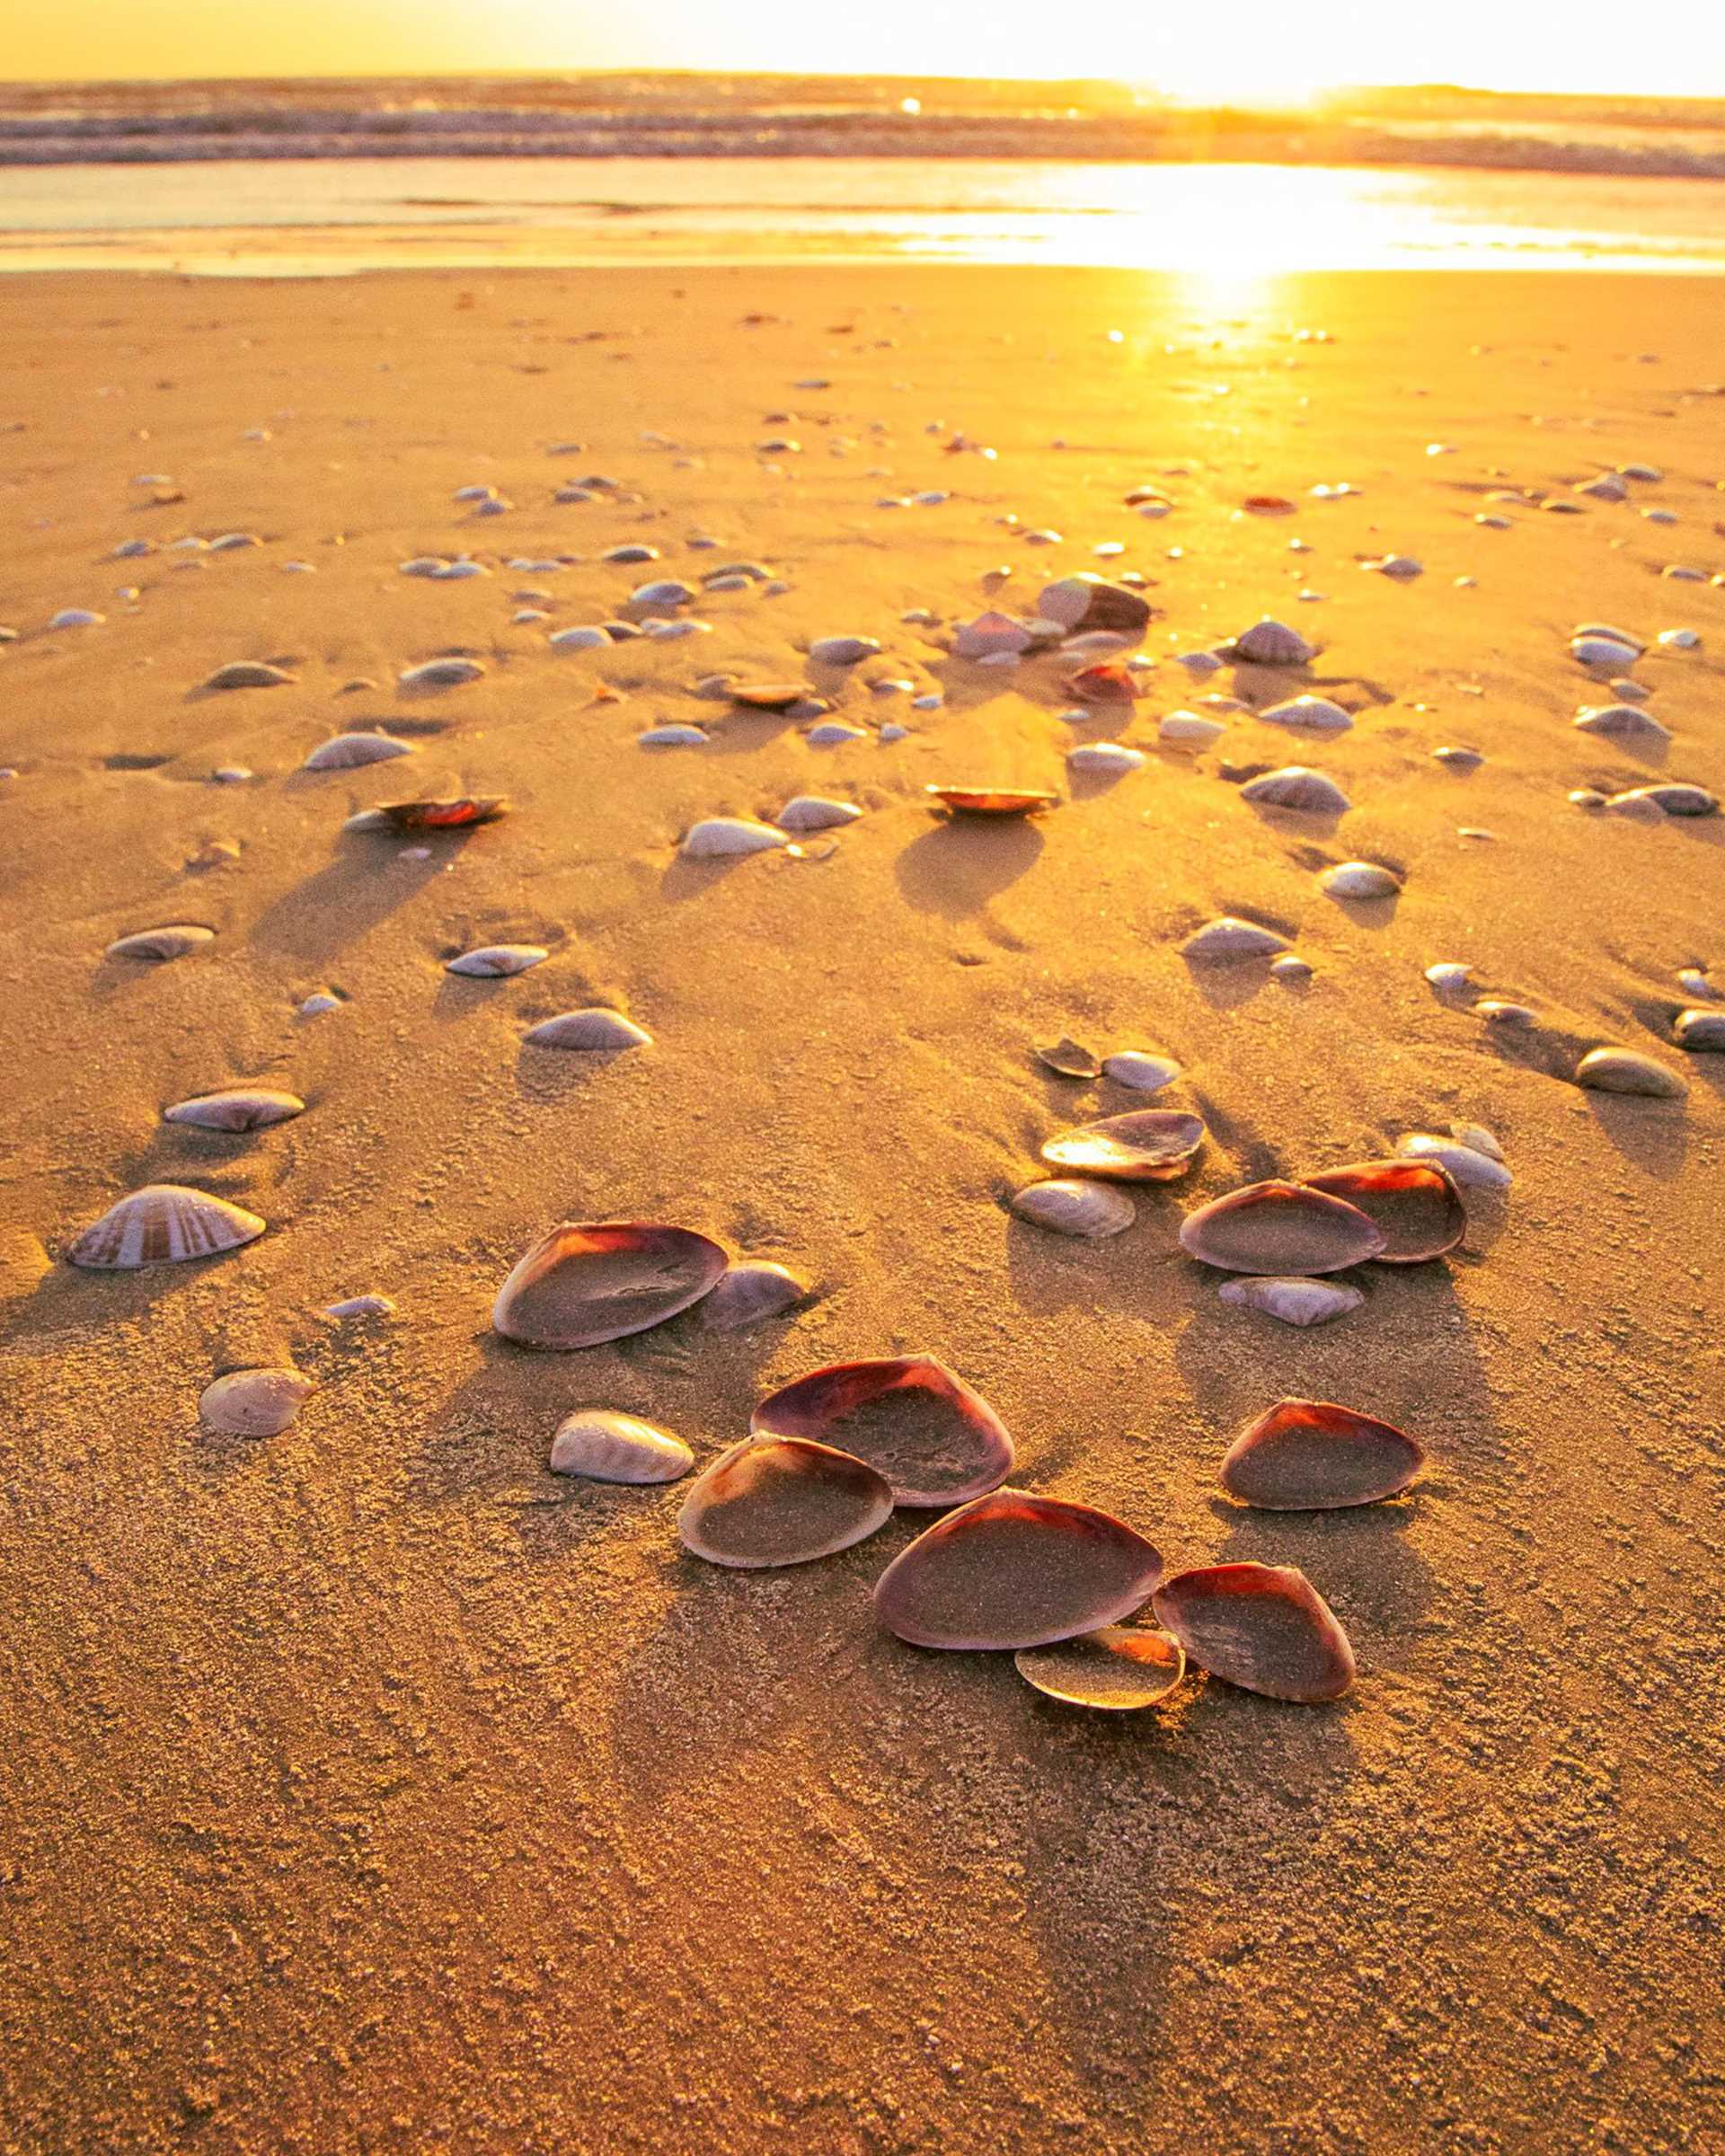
(1208, 49)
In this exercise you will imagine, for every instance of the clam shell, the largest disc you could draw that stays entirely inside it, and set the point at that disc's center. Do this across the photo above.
(1120, 1667)
(914, 1421)
(1449, 976)
(1109, 759)
(1297, 787)
(1226, 940)
(163, 1224)
(769, 695)
(597, 1031)
(673, 737)
(1294, 1301)
(780, 1501)
(349, 752)
(989, 634)
(1623, 1071)
(1359, 880)
(1010, 1570)
(1476, 1136)
(158, 945)
(1464, 1166)
(240, 1108)
(1065, 1057)
(719, 837)
(1272, 643)
(983, 801)
(663, 591)
(1701, 1032)
(441, 674)
(580, 636)
(813, 812)
(1189, 729)
(585, 1282)
(247, 673)
(1282, 1230)
(1106, 681)
(1309, 715)
(607, 1446)
(843, 650)
(460, 814)
(254, 1404)
(1087, 601)
(496, 961)
(1149, 1145)
(1310, 1456)
(1264, 1628)
(1621, 723)
(1603, 652)
(1672, 797)
(1072, 1207)
(749, 1295)
(1140, 1071)
(1413, 1203)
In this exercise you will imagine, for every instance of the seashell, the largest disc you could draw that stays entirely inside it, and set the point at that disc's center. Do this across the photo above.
(1693, 980)
(238, 1109)
(1149, 1145)
(455, 572)
(1199, 663)
(1359, 880)
(1603, 652)
(1449, 976)
(1631, 692)
(833, 733)
(1271, 504)
(720, 837)
(1671, 798)
(813, 812)
(1189, 729)
(1069, 1059)
(1289, 967)
(1294, 1301)
(318, 1002)
(665, 591)
(1308, 715)
(1607, 487)
(1609, 633)
(783, 1501)
(163, 1224)
(1226, 939)
(1010, 1570)
(981, 801)
(990, 634)
(1459, 759)
(1272, 643)
(1701, 1032)
(768, 695)
(606, 1446)
(248, 673)
(843, 650)
(1297, 787)
(935, 1440)
(1413, 1204)
(633, 551)
(1141, 1071)
(1120, 1667)
(1281, 1229)
(1623, 1071)
(361, 1306)
(1264, 1628)
(348, 751)
(1310, 1456)
(1465, 1165)
(749, 1293)
(158, 945)
(1478, 1138)
(441, 674)
(1072, 1207)
(597, 1031)
(1086, 602)
(672, 737)
(1679, 640)
(583, 636)
(495, 961)
(585, 1282)
(1621, 722)
(254, 1404)
(1106, 681)
(459, 815)
(1110, 758)
(1590, 796)
(1403, 568)
(1495, 1011)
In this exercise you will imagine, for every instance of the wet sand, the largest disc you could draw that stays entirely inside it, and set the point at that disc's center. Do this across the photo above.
(368, 1788)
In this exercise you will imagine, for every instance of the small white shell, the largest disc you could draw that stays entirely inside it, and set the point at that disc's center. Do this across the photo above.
(1290, 967)
(1466, 1165)
(1139, 1070)
(236, 1109)
(1228, 939)
(833, 733)
(749, 1293)
(1073, 1207)
(673, 737)
(1110, 758)
(1449, 976)
(584, 637)
(1358, 879)
(596, 1031)
(254, 1404)
(1297, 787)
(1189, 729)
(814, 812)
(1309, 715)
(1272, 643)
(158, 945)
(441, 674)
(361, 1306)
(717, 837)
(1295, 1302)
(163, 1224)
(607, 1446)
(348, 751)
(493, 961)
(1200, 663)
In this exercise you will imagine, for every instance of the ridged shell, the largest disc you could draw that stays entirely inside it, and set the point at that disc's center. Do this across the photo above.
(247, 673)
(597, 1031)
(1294, 1301)
(1298, 788)
(718, 837)
(813, 812)
(1118, 1669)
(1264, 1628)
(1282, 1230)
(1226, 940)
(585, 1282)
(441, 674)
(496, 961)
(1311, 1456)
(1309, 715)
(239, 1109)
(158, 945)
(349, 752)
(1621, 1071)
(1413, 1204)
(1359, 880)
(914, 1421)
(780, 1501)
(163, 1224)
(254, 1404)
(1010, 1570)
(606, 1446)
(1149, 1145)
(1465, 1165)
(1272, 643)
(749, 1295)
(1071, 1207)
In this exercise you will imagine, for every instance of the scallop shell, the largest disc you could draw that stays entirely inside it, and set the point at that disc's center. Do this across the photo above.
(1264, 1628)
(158, 945)
(1311, 1456)
(780, 1501)
(1621, 723)
(1297, 787)
(254, 1404)
(607, 1446)
(1623, 1071)
(1010, 1570)
(1073, 1207)
(1226, 939)
(1120, 1667)
(1148, 1146)
(1272, 643)
(247, 673)
(749, 1295)
(983, 801)
(1701, 1032)
(1359, 880)
(917, 1422)
(1086, 602)
(1140, 1071)
(1413, 1203)
(597, 1031)
(1069, 1059)
(1465, 1165)
(163, 1224)
(495, 961)
(441, 674)
(1309, 715)
(1283, 1230)
(585, 1282)
(843, 650)
(720, 837)
(813, 812)
(1294, 1301)
(240, 1108)
(349, 752)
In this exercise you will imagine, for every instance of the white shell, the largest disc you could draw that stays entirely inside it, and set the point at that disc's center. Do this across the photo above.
(1449, 976)
(1294, 1301)
(254, 1404)
(348, 751)
(492, 961)
(813, 812)
(161, 944)
(718, 836)
(1290, 967)
(1609, 633)
(1358, 879)
(441, 674)
(1466, 1165)
(1110, 757)
(361, 1306)
(673, 737)
(1309, 715)
(607, 1446)
(597, 1031)
(1272, 643)
(1189, 729)
(833, 733)
(584, 637)
(1226, 939)
(236, 1109)
(1679, 640)
(1140, 1071)
(1070, 1206)
(1297, 787)
(163, 1224)
(1621, 722)
(749, 1293)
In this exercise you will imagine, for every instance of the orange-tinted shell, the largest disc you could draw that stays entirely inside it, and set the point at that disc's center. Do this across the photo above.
(589, 1282)
(1414, 1204)
(1107, 681)
(1263, 1627)
(1150, 1145)
(1284, 1229)
(935, 1440)
(1120, 1667)
(780, 1501)
(1270, 505)
(1308, 1455)
(769, 695)
(444, 816)
(982, 800)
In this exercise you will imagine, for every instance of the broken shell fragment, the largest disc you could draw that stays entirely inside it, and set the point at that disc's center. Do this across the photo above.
(1310, 1456)
(1149, 1145)
(1285, 1230)
(981, 801)
(585, 1282)
(163, 1224)
(248, 673)
(1226, 939)
(607, 1446)
(1066, 1058)
(349, 752)
(254, 1404)
(1413, 1203)
(238, 1109)
(497, 961)
(749, 1295)
(158, 945)
(1073, 1207)
(1294, 1301)
(1623, 1071)
(1120, 1667)
(935, 1440)
(780, 1501)
(723, 837)
(1264, 1628)
(1010, 1570)
(597, 1031)
(1297, 787)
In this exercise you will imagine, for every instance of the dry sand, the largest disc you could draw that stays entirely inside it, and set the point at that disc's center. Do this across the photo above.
(367, 1788)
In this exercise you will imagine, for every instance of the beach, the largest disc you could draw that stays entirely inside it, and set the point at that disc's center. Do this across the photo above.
(368, 1787)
